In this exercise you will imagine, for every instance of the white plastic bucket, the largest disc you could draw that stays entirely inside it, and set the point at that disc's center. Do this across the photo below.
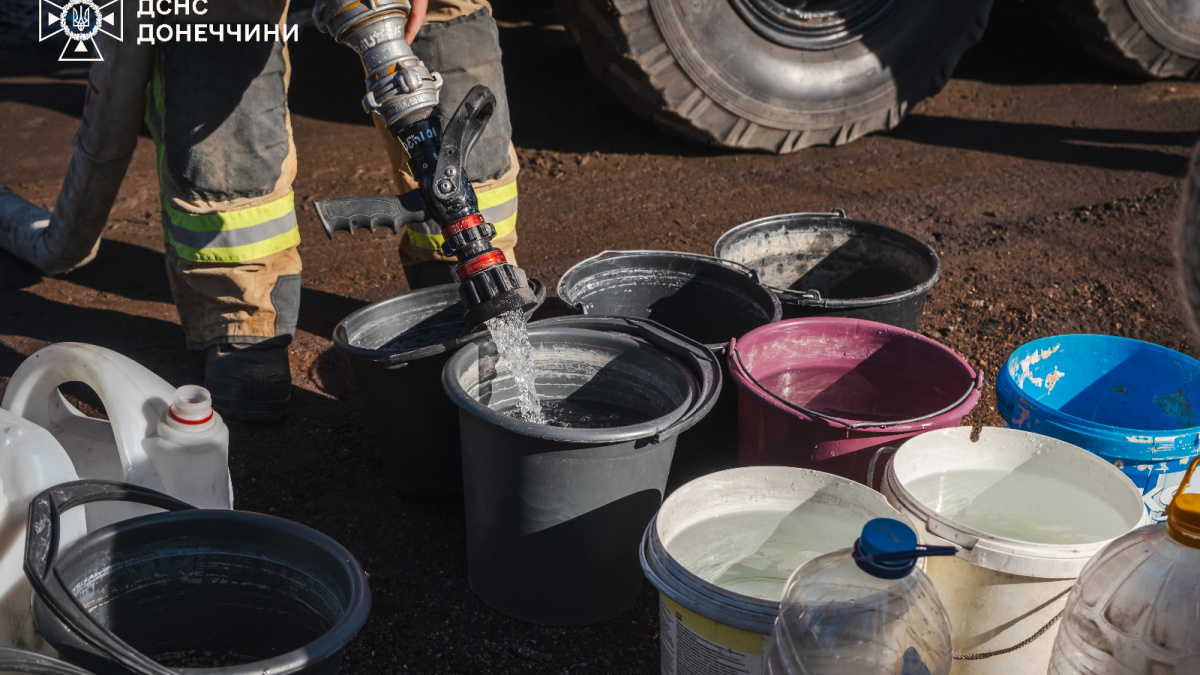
(704, 628)
(1001, 591)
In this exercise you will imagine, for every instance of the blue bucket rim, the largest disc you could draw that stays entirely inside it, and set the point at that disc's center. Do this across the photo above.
(1080, 423)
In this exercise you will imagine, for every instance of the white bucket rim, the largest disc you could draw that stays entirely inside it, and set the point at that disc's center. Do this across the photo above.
(996, 552)
(743, 612)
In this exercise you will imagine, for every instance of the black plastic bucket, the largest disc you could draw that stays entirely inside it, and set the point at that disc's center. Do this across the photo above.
(825, 264)
(18, 661)
(554, 514)
(706, 299)
(397, 349)
(198, 591)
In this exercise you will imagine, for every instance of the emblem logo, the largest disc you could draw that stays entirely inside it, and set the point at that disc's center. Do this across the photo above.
(81, 21)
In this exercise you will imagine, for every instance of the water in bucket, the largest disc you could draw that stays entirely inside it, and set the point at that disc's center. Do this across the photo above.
(584, 415)
(865, 394)
(753, 552)
(1023, 503)
(511, 337)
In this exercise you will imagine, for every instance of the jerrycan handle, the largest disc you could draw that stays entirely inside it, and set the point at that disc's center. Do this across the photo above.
(41, 550)
(133, 396)
(1183, 513)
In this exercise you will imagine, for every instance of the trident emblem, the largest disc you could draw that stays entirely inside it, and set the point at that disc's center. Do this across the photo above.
(80, 21)
(81, 15)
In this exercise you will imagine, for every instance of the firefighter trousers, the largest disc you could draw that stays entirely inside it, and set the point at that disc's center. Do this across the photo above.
(226, 161)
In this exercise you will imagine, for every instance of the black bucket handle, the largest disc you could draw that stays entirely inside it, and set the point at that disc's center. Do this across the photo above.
(977, 384)
(670, 342)
(808, 298)
(732, 264)
(41, 549)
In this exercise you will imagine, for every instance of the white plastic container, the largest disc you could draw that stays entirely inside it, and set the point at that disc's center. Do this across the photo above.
(155, 436)
(1001, 591)
(764, 519)
(30, 461)
(865, 610)
(1136, 607)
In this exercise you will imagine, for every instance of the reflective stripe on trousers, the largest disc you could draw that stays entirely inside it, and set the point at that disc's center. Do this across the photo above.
(232, 236)
(498, 206)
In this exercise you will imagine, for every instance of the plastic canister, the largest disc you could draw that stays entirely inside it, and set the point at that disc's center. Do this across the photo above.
(864, 609)
(1004, 594)
(761, 519)
(155, 436)
(1136, 606)
(31, 460)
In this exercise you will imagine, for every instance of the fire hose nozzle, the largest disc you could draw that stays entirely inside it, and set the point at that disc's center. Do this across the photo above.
(403, 92)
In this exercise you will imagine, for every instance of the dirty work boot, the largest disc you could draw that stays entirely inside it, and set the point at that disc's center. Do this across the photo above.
(251, 383)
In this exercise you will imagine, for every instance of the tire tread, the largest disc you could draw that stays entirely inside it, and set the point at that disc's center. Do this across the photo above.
(623, 47)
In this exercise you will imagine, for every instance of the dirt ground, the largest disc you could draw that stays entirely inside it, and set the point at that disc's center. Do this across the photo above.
(1047, 183)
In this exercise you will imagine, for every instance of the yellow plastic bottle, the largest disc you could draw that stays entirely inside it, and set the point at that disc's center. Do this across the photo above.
(1136, 606)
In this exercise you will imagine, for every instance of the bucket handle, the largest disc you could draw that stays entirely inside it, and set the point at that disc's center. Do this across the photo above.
(977, 384)
(671, 342)
(753, 273)
(41, 550)
(888, 449)
(979, 656)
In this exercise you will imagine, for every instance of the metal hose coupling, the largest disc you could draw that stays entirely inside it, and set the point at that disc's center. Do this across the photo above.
(404, 93)
(400, 89)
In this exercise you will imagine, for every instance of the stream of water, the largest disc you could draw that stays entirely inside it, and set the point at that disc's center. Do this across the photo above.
(512, 342)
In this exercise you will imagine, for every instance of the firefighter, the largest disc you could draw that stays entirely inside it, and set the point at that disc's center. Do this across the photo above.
(226, 160)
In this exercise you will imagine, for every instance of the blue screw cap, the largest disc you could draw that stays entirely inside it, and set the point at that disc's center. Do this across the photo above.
(888, 549)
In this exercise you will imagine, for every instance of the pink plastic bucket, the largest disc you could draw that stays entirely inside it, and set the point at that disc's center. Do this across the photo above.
(826, 393)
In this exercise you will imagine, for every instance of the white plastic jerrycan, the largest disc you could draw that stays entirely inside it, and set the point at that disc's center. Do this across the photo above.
(156, 436)
(30, 461)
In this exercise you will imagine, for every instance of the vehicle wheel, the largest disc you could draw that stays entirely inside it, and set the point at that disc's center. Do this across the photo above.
(1155, 38)
(775, 75)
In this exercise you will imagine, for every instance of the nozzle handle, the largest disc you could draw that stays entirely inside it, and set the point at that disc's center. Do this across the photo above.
(371, 212)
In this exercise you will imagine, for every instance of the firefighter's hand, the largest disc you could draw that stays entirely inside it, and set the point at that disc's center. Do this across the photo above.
(416, 17)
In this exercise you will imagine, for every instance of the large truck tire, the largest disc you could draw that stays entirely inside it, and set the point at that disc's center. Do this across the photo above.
(1151, 38)
(775, 75)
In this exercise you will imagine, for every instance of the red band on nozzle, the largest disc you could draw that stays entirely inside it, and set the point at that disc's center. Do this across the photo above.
(461, 224)
(479, 264)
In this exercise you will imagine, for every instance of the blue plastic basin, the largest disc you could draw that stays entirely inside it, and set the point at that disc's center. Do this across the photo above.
(1131, 402)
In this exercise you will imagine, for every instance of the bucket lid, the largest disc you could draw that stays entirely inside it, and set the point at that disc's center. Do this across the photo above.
(1183, 514)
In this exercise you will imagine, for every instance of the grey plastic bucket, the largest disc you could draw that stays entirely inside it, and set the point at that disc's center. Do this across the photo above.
(740, 628)
(397, 349)
(825, 264)
(197, 591)
(554, 514)
(707, 299)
